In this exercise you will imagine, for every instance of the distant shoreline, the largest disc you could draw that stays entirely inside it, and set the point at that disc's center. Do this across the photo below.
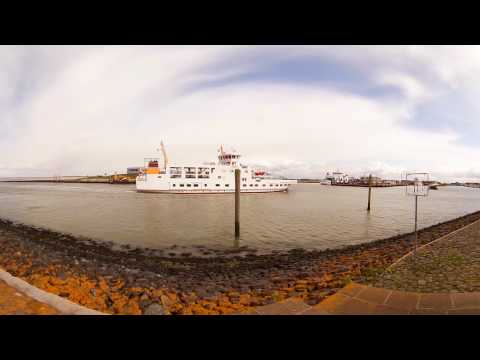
(108, 180)
(86, 181)
(366, 185)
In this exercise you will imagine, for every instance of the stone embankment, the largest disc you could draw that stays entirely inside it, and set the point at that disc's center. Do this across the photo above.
(144, 281)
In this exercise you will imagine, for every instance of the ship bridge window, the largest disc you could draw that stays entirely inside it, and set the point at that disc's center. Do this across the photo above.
(217, 185)
(181, 185)
(263, 185)
(173, 185)
(227, 185)
(189, 185)
(175, 172)
(190, 172)
(256, 184)
(219, 177)
(244, 185)
(195, 185)
(251, 185)
(203, 173)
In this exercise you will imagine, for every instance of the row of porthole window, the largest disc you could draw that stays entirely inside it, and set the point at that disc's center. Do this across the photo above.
(271, 185)
(217, 185)
(196, 185)
(188, 185)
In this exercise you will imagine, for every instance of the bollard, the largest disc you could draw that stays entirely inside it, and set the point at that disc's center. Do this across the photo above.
(237, 203)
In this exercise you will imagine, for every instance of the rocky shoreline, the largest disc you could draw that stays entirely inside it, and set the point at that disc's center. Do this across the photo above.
(145, 281)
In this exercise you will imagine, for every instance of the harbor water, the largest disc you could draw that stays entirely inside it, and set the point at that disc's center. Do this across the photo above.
(309, 216)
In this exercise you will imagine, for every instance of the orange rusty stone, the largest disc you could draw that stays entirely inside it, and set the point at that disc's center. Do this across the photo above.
(186, 311)
(199, 310)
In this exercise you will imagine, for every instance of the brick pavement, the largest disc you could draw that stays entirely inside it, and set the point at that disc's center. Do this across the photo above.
(357, 299)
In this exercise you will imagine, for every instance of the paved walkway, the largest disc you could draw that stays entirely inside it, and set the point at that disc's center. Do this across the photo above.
(356, 299)
(449, 264)
(13, 302)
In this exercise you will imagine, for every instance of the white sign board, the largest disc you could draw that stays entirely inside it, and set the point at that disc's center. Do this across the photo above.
(417, 184)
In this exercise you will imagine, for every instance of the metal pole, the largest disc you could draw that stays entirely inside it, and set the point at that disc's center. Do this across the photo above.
(369, 191)
(237, 203)
(416, 212)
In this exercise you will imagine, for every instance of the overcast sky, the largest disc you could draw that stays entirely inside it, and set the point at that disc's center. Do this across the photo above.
(299, 110)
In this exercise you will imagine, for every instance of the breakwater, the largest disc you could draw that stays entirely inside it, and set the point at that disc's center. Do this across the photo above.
(88, 180)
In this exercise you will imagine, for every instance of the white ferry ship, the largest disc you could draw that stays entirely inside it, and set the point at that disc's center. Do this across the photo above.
(207, 178)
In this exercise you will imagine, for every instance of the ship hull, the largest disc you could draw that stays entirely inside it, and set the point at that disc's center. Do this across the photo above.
(209, 191)
(195, 187)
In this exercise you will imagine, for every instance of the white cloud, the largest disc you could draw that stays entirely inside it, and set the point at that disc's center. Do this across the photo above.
(101, 109)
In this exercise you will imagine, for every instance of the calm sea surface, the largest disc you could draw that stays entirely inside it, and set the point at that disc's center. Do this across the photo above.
(311, 216)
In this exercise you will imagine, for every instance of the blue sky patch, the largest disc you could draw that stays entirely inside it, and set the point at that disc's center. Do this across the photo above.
(303, 70)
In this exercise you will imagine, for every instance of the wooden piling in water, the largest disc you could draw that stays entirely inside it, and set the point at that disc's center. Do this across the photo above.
(369, 191)
(237, 203)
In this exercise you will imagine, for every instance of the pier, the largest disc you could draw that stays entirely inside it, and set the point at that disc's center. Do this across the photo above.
(366, 185)
(109, 179)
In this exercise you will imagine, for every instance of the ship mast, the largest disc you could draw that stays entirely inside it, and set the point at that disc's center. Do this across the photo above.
(165, 160)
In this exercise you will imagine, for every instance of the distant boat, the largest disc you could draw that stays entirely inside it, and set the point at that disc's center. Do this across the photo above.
(433, 187)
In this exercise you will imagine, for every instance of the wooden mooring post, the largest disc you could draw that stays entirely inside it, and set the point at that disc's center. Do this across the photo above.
(237, 203)
(369, 191)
